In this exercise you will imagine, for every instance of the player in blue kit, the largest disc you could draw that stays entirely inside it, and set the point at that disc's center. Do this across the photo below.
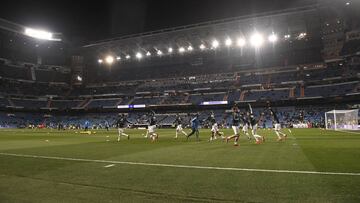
(195, 123)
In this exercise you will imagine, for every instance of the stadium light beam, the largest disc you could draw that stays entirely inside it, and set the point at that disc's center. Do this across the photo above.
(109, 60)
(170, 50)
(256, 40)
(228, 42)
(215, 44)
(273, 38)
(138, 55)
(128, 56)
(148, 53)
(241, 42)
(190, 48)
(202, 47)
(118, 58)
(79, 78)
(100, 61)
(181, 50)
(159, 53)
(302, 35)
(39, 34)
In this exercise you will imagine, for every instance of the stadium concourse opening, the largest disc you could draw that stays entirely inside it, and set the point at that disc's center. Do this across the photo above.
(142, 104)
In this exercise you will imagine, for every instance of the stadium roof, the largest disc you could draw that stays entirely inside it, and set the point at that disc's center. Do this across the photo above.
(287, 22)
(286, 19)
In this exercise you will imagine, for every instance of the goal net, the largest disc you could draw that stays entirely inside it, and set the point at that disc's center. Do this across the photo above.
(342, 119)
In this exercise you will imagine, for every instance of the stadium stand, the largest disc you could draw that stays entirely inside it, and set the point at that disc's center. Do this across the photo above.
(296, 74)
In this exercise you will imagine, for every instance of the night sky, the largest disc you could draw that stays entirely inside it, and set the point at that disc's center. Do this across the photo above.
(95, 20)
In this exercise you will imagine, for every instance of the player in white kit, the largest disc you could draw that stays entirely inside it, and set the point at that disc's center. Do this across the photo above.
(254, 125)
(277, 126)
(214, 128)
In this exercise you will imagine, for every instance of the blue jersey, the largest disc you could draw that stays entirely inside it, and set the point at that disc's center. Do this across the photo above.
(195, 123)
(87, 124)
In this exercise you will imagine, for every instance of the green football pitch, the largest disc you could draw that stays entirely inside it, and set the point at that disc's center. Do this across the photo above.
(312, 165)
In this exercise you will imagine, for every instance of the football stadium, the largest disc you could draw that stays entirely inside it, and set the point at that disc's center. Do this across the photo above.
(180, 101)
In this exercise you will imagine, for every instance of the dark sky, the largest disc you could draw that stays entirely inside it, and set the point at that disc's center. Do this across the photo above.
(94, 20)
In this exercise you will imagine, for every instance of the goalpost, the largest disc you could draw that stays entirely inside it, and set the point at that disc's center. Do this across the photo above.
(342, 120)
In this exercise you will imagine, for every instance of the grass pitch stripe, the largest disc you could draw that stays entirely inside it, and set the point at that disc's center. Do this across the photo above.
(180, 166)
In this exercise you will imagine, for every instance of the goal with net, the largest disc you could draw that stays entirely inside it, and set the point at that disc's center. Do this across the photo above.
(342, 119)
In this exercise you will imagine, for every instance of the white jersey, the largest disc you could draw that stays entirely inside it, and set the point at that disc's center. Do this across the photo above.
(277, 126)
(245, 128)
(152, 128)
(179, 128)
(215, 128)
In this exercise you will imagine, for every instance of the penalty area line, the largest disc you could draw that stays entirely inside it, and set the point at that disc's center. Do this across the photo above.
(179, 166)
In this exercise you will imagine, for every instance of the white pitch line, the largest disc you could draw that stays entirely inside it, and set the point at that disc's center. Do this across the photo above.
(180, 166)
(358, 133)
(110, 165)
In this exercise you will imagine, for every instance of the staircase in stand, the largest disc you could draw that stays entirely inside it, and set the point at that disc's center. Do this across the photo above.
(302, 91)
(48, 105)
(242, 95)
(84, 103)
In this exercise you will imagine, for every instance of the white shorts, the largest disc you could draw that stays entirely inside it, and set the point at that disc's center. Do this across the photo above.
(121, 130)
(215, 128)
(235, 129)
(277, 126)
(245, 128)
(152, 128)
(179, 128)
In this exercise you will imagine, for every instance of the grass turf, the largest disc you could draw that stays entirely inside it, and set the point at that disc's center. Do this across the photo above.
(48, 180)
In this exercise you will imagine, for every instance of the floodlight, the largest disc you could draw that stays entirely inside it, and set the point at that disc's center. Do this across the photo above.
(79, 78)
(39, 34)
(100, 61)
(128, 56)
(190, 48)
(202, 46)
(256, 40)
(109, 59)
(170, 50)
(181, 50)
(302, 35)
(215, 44)
(241, 42)
(347, 3)
(287, 36)
(118, 58)
(228, 42)
(139, 55)
(159, 52)
(148, 53)
(272, 38)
